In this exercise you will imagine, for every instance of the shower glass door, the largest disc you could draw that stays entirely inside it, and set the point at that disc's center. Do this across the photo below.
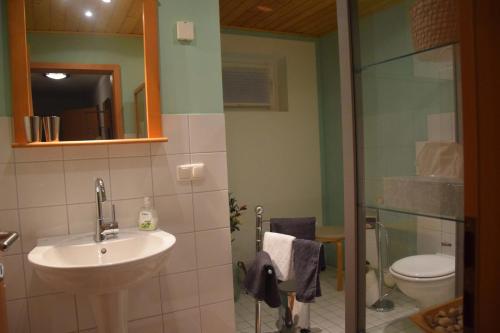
(409, 162)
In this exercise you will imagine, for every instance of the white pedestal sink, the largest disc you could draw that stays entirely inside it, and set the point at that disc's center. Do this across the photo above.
(104, 271)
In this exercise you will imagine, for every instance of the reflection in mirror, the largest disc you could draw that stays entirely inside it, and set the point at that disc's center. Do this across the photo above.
(140, 111)
(96, 50)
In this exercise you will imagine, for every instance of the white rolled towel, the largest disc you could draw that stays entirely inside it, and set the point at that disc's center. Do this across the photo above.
(279, 248)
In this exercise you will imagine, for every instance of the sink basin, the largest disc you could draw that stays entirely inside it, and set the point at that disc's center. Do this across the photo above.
(104, 271)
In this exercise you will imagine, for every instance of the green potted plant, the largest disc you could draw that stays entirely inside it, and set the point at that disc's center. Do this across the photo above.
(235, 211)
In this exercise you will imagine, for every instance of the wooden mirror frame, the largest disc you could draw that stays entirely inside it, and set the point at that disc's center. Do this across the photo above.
(20, 72)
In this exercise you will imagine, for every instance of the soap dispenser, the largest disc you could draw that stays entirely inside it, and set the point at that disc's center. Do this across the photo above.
(148, 217)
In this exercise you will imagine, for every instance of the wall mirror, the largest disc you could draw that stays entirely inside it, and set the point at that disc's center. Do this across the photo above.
(91, 63)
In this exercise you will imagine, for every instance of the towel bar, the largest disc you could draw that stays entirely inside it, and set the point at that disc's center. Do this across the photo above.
(259, 211)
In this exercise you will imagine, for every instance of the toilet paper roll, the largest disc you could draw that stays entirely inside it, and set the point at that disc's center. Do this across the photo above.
(389, 280)
(372, 291)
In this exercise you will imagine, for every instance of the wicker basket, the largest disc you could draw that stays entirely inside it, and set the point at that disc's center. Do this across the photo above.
(434, 23)
(419, 318)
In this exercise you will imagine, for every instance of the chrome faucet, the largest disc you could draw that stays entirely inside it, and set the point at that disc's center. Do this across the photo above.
(103, 230)
(7, 238)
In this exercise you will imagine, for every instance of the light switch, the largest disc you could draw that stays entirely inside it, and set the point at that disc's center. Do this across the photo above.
(188, 172)
(185, 31)
(198, 171)
(184, 172)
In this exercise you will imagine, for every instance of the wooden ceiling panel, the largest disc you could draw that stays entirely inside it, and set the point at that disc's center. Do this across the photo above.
(286, 12)
(302, 17)
(115, 17)
(308, 17)
(280, 16)
(299, 17)
(233, 14)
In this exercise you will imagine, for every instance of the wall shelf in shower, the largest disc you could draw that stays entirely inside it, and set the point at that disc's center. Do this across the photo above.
(382, 208)
(431, 54)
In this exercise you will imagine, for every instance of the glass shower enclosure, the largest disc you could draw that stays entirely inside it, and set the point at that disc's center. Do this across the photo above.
(403, 162)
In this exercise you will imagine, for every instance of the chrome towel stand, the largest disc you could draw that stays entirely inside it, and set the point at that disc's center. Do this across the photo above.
(259, 211)
(382, 304)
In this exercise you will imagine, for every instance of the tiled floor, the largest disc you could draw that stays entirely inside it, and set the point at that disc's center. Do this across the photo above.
(327, 313)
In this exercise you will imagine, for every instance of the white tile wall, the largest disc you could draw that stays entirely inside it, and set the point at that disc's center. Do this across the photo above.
(215, 172)
(186, 321)
(39, 154)
(9, 220)
(85, 152)
(435, 236)
(40, 184)
(176, 128)
(131, 177)
(218, 317)
(216, 284)
(177, 212)
(131, 150)
(179, 291)
(183, 255)
(441, 127)
(54, 313)
(209, 210)
(49, 191)
(79, 174)
(213, 247)
(79, 216)
(207, 133)
(17, 316)
(14, 268)
(165, 173)
(8, 198)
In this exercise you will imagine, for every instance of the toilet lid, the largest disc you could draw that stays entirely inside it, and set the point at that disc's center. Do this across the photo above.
(425, 266)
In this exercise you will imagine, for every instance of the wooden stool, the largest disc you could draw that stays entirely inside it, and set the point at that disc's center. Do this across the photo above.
(334, 235)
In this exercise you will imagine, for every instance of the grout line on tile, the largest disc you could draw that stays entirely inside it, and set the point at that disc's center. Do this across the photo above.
(66, 196)
(17, 210)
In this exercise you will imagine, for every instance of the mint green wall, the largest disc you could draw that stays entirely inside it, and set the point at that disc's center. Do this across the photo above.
(96, 49)
(386, 34)
(5, 99)
(327, 55)
(191, 74)
(330, 129)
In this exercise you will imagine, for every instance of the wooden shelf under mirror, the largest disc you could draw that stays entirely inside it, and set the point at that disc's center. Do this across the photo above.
(86, 143)
(24, 39)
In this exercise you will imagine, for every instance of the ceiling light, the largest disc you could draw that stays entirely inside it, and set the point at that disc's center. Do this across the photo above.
(56, 76)
(106, 1)
(88, 13)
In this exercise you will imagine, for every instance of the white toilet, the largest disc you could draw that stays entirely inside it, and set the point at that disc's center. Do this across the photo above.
(429, 278)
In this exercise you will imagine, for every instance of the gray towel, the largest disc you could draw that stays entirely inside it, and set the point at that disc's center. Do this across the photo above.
(301, 228)
(259, 283)
(298, 227)
(306, 258)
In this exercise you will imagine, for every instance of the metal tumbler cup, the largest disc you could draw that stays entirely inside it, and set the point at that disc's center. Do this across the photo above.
(47, 128)
(36, 129)
(55, 123)
(27, 129)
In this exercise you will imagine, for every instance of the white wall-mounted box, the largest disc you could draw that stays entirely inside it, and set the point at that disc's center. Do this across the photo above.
(185, 31)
